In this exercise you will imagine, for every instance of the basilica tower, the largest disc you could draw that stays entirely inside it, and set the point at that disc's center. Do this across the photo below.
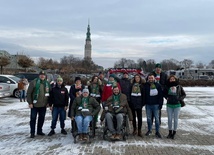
(87, 54)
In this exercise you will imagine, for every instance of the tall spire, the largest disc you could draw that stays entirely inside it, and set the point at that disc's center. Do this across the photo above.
(87, 53)
(88, 34)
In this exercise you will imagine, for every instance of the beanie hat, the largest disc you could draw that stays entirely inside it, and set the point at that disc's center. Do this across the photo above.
(158, 65)
(85, 90)
(77, 78)
(112, 75)
(59, 79)
(125, 72)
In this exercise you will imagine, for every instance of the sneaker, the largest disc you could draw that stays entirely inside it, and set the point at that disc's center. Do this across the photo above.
(117, 137)
(112, 137)
(40, 133)
(52, 132)
(148, 133)
(63, 132)
(158, 135)
(32, 135)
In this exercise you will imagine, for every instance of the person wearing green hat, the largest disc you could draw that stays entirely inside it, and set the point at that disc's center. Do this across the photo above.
(160, 78)
(58, 103)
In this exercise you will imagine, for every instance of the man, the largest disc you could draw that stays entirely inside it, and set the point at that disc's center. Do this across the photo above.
(58, 103)
(83, 109)
(160, 78)
(153, 100)
(117, 106)
(37, 98)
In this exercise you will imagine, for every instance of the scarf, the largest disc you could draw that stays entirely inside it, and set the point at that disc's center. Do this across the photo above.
(95, 89)
(116, 100)
(37, 88)
(84, 102)
(112, 83)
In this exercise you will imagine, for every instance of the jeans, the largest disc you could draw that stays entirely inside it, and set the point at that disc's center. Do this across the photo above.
(119, 118)
(173, 113)
(41, 112)
(22, 94)
(139, 118)
(83, 123)
(58, 111)
(152, 109)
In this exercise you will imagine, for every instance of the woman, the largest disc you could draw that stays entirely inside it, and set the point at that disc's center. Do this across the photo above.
(75, 91)
(173, 93)
(136, 103)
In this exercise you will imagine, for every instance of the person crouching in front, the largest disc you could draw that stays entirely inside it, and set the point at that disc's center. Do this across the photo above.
(83, 109)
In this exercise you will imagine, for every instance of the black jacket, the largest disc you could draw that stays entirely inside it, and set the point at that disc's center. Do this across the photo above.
(58, 96)
(125, 85)
(163, 79)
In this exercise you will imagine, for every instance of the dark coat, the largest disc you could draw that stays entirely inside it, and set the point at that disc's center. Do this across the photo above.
(153, 100)
(125, 85)
(136, 102)
(58, 96)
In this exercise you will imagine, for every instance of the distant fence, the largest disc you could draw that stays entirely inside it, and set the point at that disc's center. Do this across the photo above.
(191, 83)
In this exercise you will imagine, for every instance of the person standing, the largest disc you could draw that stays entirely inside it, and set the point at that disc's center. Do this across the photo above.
(125, 85)
(83, 109)
(136, 103)
(37, 98)
(160, 78)
(95, 90)
(58, 102)
(22, 86)
(173, 93)
(75, 91)
(107, 90)
(153, 100)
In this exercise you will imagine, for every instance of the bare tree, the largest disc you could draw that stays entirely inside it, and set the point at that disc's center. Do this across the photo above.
(187, 63)
(25, 62)
(200, 65)
(171, 64)
(211, 64)
(4, 61)
(150, 65)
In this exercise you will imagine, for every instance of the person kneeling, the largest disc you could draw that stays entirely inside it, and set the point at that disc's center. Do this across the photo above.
(116, 106)
(83, 109)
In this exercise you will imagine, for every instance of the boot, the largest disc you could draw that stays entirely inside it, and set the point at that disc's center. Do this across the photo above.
(20, 100)
(52, 132)
(139, 133)
(170, 134)
(80, 136)
(24, 99)
(173, 134)
(135, 131)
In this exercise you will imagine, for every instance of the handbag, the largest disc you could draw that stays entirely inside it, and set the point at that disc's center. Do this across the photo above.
(182, 103)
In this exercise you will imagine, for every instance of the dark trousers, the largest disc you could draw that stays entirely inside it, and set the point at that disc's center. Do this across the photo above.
(41, 112)
(139, 118)
(159, 117)
(58, 112)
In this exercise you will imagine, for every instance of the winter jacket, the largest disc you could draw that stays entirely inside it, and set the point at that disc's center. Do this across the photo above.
(153, 100)
(136, 101)
(123, 105)
(42, 100)
(59, 96)
(93, 107)
(125, 85)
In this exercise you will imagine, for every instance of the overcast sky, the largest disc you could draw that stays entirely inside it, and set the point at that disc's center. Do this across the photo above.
(148, 29)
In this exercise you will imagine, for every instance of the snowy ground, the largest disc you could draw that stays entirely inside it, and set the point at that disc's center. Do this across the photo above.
(195, 133)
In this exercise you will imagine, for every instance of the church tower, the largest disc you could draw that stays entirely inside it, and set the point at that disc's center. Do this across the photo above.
(87, 54)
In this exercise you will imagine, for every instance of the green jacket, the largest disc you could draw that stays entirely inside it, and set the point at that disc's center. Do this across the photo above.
(93, 107)
(124, 107)
(42, 100)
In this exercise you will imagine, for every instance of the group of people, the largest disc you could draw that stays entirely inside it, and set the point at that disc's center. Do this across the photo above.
(116, 97)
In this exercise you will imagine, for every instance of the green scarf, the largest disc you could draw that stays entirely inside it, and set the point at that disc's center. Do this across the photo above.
(95, 88)
(112, 83)
(116, 100)
(37, 88)
(84, 102)
(152, 86)
(136, 88)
